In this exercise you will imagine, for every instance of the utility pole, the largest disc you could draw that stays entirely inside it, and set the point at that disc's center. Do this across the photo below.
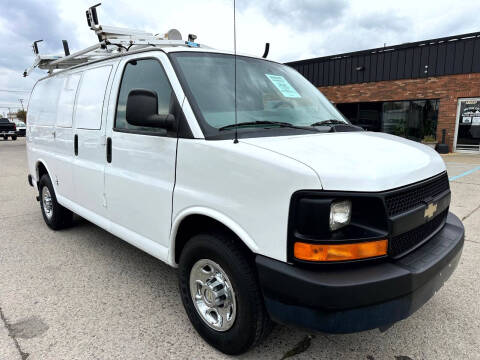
(21, 103)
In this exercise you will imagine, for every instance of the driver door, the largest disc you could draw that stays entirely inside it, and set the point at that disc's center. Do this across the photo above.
(140, 170)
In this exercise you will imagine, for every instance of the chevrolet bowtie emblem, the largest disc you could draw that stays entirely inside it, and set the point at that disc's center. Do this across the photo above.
(430, 210)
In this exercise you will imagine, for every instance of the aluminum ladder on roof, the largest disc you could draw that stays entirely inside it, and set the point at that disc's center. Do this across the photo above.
(112, 40)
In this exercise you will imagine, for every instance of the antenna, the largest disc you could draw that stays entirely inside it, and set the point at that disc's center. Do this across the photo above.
(235, 141)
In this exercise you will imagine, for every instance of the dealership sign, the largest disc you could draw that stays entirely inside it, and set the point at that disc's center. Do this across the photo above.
(470, 112)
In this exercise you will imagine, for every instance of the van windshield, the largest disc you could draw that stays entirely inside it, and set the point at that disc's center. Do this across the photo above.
(268, 94)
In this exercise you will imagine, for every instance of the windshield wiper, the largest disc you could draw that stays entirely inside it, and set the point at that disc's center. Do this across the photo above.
(329, 122)
(266, 122)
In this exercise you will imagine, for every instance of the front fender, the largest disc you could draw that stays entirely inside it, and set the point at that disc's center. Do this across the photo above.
(216, 215)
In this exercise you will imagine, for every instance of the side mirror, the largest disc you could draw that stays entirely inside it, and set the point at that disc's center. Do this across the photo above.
(142, 110)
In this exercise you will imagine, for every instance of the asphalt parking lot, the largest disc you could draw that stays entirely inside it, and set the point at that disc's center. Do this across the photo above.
(82, 293)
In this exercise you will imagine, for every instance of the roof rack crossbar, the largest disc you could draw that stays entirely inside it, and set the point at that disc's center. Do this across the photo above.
(76, 54)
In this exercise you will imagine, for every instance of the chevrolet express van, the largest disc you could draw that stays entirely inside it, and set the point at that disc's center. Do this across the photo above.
(273, 207)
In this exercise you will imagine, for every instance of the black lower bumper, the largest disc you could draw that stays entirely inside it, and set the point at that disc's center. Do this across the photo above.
(344, 300)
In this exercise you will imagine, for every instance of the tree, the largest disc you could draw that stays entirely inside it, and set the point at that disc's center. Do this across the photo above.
(22, 115)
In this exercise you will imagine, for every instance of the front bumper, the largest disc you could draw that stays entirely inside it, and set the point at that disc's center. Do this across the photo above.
(345, 300)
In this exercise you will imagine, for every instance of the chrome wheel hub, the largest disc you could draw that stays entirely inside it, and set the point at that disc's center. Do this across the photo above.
(213, 295)
(47, 202)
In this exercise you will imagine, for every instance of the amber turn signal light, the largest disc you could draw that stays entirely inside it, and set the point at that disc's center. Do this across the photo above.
(340, 252)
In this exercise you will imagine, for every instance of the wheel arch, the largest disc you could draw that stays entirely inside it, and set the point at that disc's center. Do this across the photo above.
(40, 169)
(195, 220)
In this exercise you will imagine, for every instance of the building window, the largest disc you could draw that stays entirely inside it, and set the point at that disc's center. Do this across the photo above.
(414, 120)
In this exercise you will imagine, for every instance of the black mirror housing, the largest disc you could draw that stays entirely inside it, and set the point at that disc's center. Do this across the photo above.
(142, 110)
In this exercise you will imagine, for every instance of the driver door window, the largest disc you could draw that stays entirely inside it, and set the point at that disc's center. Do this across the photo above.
(145, 74)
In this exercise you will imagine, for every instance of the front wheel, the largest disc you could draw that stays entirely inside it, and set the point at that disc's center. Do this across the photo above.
(55, 215)
(220, 293)
(14, 137)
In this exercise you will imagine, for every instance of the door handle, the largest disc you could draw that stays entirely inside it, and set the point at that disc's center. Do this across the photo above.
(109, 150)
(75, 144)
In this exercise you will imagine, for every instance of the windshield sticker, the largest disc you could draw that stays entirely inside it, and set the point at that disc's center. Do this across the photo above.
(283, 86)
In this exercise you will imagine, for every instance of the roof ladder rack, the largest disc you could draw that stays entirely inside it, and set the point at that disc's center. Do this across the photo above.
(112, 40)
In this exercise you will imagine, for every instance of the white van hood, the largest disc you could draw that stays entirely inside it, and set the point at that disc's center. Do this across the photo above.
(358, 161)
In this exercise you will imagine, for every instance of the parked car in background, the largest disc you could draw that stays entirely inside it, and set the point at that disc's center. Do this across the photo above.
(7, 129)
(21, 127)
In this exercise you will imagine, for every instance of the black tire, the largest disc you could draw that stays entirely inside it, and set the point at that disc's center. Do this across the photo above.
(61, 217)
(252, 322)
(14, 137)
(5, 138)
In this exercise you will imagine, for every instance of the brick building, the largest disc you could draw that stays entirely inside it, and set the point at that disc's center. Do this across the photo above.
(414, 90)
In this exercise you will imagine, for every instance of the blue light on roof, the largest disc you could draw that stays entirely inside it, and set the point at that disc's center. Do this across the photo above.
(192, 44)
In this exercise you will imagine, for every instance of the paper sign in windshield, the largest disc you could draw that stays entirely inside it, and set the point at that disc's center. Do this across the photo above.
(283, 86)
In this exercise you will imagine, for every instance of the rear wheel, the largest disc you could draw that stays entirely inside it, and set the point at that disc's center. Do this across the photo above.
(220, 293)
(14, 137)
(5, 137)
(55, 215)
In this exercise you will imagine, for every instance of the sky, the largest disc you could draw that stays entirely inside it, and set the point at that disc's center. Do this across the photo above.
(296, 29)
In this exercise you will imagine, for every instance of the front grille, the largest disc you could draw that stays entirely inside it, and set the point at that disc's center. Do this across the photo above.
(407, 199)
(399, 245)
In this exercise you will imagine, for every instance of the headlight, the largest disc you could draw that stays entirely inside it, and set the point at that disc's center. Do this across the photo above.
(322, 226)
(340, 214)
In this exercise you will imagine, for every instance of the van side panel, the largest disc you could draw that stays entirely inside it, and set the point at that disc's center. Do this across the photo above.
(66, 101)
(64, 136)
(90, 99)
(89, 163)
(41, 114)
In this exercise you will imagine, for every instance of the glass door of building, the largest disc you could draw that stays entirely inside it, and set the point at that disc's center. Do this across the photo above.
(468, 125)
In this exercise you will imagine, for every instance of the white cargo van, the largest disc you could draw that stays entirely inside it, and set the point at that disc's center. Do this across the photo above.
(270, 203)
